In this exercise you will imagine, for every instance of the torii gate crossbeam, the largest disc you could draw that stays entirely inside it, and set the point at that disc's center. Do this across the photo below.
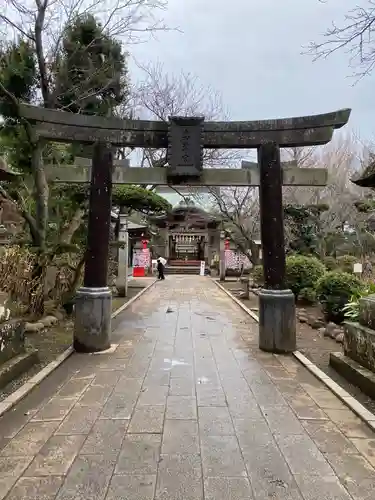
(184, 138)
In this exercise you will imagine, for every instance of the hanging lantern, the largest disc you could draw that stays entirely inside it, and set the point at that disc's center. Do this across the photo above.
(226, 244)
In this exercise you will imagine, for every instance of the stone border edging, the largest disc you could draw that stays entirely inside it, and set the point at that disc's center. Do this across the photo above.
(342, 394)
(354, 405)
(133, 299)
(10, 401)
(237, 301)
(28, 386)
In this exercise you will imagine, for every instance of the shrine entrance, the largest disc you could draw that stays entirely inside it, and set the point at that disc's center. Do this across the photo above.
(184, 138)
(186, 247)
(189, 235)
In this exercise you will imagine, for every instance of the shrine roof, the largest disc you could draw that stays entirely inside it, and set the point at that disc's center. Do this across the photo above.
(186, 211)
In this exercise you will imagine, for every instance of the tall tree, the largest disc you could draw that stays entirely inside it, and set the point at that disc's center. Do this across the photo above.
(22, 80)
(88, 55)
(90, 70)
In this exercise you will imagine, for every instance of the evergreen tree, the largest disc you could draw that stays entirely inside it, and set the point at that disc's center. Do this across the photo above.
(90, 71)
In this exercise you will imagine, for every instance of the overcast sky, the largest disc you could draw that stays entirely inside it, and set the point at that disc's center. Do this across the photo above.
(250, 51)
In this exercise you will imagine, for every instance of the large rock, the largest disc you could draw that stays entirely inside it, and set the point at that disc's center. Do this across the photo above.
(315, 323)
(340, 338)
(34, 327)
(48, 321)
(331, 330)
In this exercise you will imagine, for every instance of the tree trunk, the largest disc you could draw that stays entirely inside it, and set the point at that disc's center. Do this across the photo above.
(41, 194)
(69, 295)
(41, 201)
(255, 252)
(68, 233)
(36, 293)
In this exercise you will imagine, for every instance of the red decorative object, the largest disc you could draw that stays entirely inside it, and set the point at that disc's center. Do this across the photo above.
(144, 244)
(226, 244)
(138, 272)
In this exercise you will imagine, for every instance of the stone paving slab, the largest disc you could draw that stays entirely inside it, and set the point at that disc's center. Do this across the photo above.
(185, 408)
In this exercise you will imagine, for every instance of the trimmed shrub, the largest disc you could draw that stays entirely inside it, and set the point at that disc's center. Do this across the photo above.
(330, 263)
(302, 272)
(346, 263)
(257, 274)
(334, 291)
(307, 295)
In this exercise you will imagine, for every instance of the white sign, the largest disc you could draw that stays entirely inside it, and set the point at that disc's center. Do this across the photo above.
(357, 268)
(203, 268)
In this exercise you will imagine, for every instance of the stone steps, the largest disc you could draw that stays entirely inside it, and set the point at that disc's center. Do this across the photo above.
(182, 270)
(183, 263)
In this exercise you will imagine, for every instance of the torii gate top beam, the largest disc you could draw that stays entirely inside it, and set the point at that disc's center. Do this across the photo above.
(290, 132)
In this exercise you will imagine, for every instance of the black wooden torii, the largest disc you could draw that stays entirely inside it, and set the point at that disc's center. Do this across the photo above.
(184, 138)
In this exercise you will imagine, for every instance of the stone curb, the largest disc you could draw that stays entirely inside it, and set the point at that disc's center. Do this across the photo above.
(237, 301)
(133, 299)
(354, 405)
(28, 386)
(16, 396)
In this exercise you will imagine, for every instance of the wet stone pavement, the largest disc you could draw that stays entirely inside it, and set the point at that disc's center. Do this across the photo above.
(185, 408)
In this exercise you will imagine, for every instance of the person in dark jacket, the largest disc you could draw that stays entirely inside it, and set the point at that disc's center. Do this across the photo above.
(160, 269)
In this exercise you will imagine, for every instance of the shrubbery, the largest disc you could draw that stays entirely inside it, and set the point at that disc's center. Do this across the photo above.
(307, 295)
(346, 263)
(310, 282)
(334, 290)
(330, 263)
(302, 273)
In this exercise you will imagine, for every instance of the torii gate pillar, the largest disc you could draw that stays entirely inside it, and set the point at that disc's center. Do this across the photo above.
(277, 310)
(93, 307)
(184, 138)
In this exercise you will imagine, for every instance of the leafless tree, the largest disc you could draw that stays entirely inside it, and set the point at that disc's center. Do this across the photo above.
(355, 35)
(159, 95)
(239, 209)
(342, 158)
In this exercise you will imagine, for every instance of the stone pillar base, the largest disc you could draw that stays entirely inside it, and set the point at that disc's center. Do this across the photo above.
(92, 325)
(277, 321)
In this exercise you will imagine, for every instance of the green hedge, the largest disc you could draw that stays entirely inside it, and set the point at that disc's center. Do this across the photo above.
(303, 272)
(330, 263)
(334, 291)
(346, 263)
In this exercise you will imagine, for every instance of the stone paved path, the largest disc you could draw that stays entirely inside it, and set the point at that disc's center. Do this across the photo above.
(185, 408)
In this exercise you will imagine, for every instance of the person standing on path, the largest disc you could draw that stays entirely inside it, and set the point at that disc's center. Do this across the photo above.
(160, 268)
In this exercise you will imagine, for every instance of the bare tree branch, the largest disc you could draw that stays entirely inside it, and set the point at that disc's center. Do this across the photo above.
(239, 208)
(355, 35)
(159, 95)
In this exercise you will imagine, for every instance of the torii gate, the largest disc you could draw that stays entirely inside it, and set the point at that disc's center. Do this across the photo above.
(184, 138)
